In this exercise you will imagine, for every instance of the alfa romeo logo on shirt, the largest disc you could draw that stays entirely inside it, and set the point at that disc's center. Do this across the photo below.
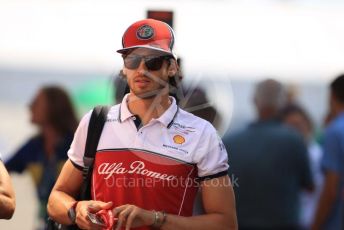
(178, 139)
(145, 32)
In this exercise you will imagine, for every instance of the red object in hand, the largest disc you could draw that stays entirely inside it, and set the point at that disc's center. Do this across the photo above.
(107, 217)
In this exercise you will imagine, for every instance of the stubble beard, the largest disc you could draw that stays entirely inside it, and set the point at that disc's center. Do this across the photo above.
(161, 90)
(149, 95)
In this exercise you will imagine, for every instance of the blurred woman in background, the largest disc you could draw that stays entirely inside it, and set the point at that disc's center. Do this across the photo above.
(296, 117)
(43, 154)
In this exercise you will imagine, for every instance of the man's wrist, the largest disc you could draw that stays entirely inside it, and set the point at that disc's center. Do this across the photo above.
(159, 219)
(72, 212)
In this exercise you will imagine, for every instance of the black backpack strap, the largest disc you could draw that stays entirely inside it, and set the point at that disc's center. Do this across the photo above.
(95, 128)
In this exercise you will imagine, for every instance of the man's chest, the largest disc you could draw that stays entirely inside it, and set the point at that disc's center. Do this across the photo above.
(178, 141)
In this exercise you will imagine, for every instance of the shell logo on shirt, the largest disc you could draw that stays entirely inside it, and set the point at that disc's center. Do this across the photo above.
(178, 139)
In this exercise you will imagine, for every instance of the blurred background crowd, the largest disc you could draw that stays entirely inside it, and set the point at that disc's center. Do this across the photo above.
(262, 72)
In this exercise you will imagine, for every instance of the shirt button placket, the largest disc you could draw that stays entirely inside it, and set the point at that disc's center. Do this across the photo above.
(139, 140)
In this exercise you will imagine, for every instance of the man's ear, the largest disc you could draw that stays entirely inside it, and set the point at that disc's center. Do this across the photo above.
(172, 68)
(124, 72)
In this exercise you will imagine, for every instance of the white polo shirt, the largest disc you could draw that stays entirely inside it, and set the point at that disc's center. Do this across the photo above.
(156, 166)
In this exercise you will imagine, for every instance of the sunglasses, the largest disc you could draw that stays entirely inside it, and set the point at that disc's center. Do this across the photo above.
(152, 63)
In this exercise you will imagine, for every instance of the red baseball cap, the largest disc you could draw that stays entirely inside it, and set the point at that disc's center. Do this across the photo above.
(148, 33)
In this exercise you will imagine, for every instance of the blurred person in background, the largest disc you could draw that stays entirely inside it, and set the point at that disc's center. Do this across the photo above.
(196, 102)
(271, 163)
(329, 213)
(296, 117)
(43, 155)
(7, 196)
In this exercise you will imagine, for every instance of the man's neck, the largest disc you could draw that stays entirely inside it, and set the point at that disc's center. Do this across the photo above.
(338, 109)
(148, 108)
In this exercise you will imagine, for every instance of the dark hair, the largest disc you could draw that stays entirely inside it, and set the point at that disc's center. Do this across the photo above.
(175, 88)
(337, 88)
(197, 103)
(294, 108)
(60, 112)
(175, 82)
(121, 86)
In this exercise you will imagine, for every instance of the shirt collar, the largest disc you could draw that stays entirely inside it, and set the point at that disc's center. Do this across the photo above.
(124, 112)
(169, 115)
(166, 118)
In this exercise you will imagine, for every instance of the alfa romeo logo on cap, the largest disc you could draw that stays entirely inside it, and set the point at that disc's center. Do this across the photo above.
(145, 32)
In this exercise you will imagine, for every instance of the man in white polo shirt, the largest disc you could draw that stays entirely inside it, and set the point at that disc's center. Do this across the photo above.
(152, 156)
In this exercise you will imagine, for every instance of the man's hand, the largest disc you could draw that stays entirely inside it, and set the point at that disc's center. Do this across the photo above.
(83, 207)
(132, 216)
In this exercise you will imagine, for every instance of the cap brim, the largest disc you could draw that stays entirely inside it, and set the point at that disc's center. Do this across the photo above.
(125, 50)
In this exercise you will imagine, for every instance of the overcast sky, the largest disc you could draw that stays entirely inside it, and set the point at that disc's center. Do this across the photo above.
(289, 39)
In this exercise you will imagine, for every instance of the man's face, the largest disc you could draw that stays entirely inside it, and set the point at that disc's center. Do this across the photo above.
(142, 80)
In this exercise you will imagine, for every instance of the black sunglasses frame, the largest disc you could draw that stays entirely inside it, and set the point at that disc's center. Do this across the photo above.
(153, 63)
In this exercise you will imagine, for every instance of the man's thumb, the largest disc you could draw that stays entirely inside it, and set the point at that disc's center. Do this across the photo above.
(95, 207)
(107, 205)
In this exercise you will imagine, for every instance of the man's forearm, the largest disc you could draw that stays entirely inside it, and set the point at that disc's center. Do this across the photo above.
(207, 221)
(324, 207)
(327, 199)
(58, 205)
